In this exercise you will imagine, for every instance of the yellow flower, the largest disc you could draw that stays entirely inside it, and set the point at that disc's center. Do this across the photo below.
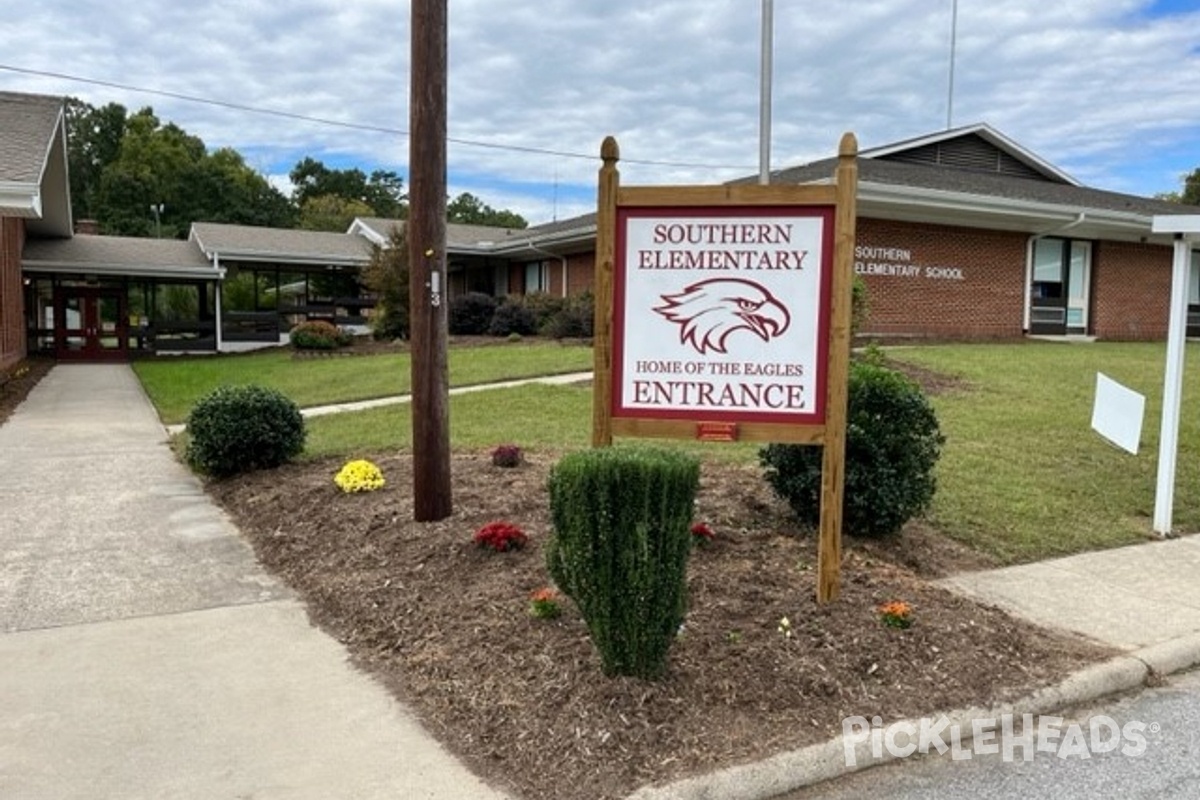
(359, 476)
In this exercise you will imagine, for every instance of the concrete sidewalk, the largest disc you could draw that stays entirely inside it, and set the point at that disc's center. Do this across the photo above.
(400, 399)
(1131, 597)
(143, 651)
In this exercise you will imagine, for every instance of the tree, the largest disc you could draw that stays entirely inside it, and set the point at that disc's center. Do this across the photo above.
(470, 210)
(163, 165)
(93, 142)
(387, 277)
(222, 188)
(382, 192)
(1191, 188)
(331, 212)
(1190, 195)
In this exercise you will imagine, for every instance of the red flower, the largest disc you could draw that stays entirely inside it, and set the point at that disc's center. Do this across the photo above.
(701, 530)
(507, 455)
(500, 536)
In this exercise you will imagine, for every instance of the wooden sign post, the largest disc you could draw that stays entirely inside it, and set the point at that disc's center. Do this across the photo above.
(723, 314)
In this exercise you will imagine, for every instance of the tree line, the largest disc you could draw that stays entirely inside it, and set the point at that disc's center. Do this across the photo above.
(138, 176)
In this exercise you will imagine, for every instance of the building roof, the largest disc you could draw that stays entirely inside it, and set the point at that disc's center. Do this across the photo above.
(118, 255)
(279, 245)
(980, 146)
(460, 238)
(972, 176)
(975, 176)
(33, 162)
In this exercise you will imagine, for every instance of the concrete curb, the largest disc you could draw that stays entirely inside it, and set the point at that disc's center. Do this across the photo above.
(796, 769)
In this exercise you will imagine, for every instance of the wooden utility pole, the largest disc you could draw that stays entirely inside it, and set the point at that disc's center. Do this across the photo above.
(426, 230)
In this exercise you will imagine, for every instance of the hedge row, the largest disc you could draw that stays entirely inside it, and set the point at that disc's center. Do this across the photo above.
(478, 314)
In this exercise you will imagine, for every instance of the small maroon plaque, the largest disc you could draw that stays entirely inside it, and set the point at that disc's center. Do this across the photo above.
(717, 431)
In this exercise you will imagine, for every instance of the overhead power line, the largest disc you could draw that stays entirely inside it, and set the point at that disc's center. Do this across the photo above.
(358, 126)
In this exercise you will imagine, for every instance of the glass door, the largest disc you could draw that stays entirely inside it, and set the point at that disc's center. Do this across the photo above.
(90, 324)
(1048, 293)
(1061, 287)
(1079, 289)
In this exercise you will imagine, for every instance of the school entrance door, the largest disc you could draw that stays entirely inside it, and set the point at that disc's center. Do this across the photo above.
(91, 324)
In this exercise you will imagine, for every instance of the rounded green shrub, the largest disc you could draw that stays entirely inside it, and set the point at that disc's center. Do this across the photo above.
(543, 306)
(893, 442)
(470, 314)
(510, 317)
(242, 428)
(575, 320)
(619, 549)
(318, 335)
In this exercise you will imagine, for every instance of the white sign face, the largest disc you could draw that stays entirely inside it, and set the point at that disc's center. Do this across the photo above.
(722, 314)
(1118, 412)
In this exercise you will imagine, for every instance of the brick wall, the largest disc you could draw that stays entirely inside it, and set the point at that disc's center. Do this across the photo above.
(12, 313)
(581, 272)
(969, 283)
(554, 277)
(940, 280)
(1131, 290)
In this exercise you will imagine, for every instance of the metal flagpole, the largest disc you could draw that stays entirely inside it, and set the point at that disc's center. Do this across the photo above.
(953, 47)
(764, 103)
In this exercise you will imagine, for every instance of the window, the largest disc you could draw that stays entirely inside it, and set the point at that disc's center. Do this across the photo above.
(1194, 280)
(1048, 268)
(537, 277)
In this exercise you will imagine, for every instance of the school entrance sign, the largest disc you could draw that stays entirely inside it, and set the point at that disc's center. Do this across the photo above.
(723, 313)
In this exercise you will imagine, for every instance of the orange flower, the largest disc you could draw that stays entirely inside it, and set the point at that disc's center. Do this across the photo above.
(896, 614)
(544, 595)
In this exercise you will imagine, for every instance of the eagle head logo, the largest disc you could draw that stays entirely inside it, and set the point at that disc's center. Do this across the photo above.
(707, 312)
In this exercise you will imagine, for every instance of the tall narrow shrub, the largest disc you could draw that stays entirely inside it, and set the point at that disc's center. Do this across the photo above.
(620, 546)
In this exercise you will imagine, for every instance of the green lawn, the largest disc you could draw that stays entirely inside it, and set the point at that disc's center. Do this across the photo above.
(1023, 475)
(175, 384)
(540, 417)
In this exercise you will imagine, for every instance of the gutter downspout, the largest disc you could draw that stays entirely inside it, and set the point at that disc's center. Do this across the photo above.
(1079, 220)
(563, 259)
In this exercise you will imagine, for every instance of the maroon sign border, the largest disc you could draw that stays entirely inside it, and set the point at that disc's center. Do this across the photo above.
(827, 214)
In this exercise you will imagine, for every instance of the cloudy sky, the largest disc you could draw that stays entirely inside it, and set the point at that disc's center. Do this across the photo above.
(1104, 89)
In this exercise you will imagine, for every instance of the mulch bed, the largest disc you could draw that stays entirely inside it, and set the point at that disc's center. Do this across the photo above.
(446, 626)
(522, 700)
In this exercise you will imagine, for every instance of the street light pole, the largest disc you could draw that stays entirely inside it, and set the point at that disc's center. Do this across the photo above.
(157, 208)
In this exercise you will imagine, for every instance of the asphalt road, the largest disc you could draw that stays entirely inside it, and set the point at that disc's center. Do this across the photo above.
(1167, 719)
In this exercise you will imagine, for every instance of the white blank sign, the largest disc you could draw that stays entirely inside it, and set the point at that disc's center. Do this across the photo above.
(1117, 415)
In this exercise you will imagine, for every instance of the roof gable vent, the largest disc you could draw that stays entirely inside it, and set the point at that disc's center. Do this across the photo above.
(970, 152)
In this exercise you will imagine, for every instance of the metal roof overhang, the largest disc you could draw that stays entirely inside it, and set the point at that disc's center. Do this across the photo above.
(124, 270)
(275, 257)
(560, 243)
(909, 204)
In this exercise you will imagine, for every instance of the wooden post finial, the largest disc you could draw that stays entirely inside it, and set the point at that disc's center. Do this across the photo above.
(848, 145)
(609, 151)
